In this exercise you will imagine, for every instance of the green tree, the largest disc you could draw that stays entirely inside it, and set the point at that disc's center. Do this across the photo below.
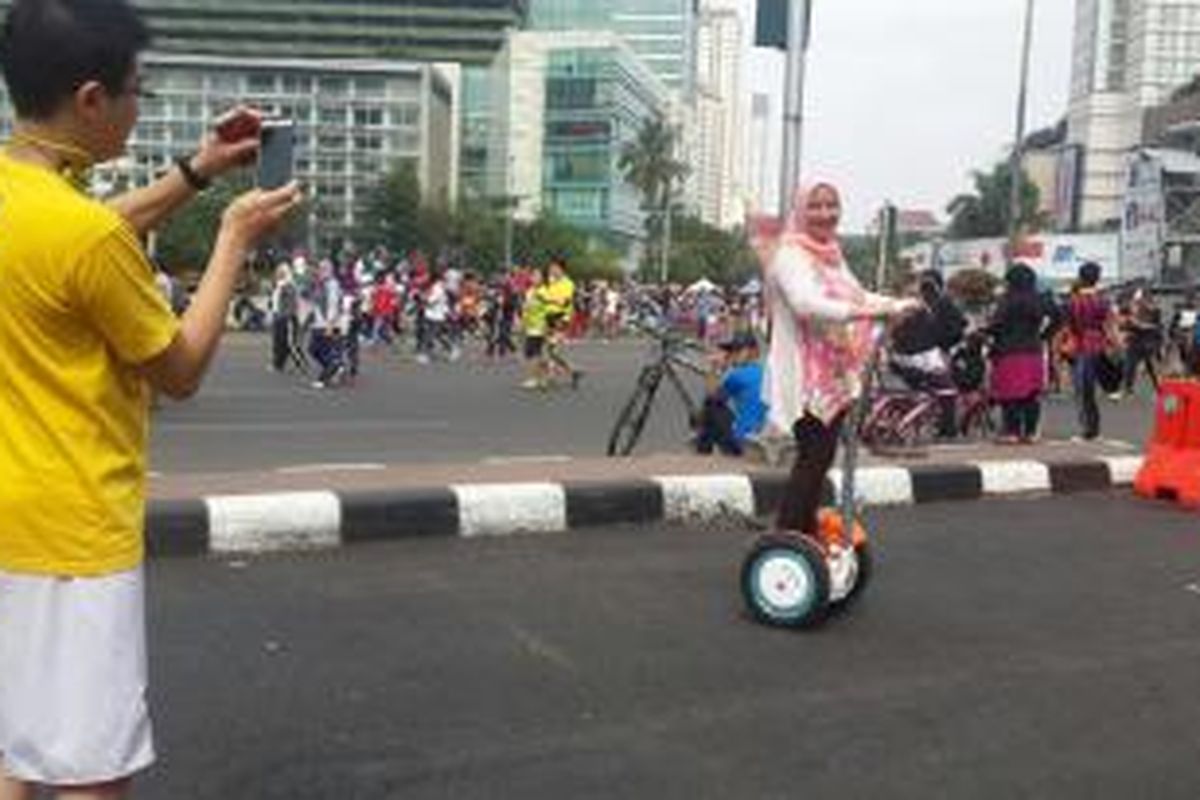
(390, 213)
(700, 250)
(547, 237)
(986, 211)
(185, 242)
(648, 163)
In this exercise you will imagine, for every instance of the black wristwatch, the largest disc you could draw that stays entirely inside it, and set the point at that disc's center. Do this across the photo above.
(193, 178)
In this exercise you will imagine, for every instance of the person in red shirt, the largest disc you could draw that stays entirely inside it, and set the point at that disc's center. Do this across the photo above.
(1091, 319)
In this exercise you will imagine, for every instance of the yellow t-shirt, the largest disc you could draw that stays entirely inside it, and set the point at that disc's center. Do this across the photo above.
(533, 314)
(559, 296)
(78, 309)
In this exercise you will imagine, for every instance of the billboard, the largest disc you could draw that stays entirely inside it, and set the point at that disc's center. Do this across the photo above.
(1056, 258)
(1143, 218)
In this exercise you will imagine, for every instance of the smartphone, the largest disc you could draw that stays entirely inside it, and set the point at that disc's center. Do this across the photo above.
(276, 154)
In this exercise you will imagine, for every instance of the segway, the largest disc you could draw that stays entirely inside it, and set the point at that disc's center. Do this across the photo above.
(794, 580)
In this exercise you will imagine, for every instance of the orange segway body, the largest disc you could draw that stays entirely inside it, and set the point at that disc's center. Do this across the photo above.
(829, 523)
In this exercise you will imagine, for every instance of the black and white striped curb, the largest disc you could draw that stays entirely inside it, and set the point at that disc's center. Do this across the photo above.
(316, 520)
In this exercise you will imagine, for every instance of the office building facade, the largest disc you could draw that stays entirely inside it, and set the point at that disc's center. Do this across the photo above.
(662, 33)
(461, 31)
(719, 163)
(355, 121)
(564, 105)
(1128, 56)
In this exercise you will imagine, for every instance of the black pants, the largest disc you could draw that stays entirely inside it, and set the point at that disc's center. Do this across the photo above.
(816, 447)
(714, 429)
(1140, 353)
(281, 342)
(1084, 375)
(1021, 417)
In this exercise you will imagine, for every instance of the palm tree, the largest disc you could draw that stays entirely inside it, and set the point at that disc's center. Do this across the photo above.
(985, 212)
(649, 164)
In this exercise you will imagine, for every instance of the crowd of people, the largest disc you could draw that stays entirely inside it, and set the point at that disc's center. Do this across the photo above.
(323, 314)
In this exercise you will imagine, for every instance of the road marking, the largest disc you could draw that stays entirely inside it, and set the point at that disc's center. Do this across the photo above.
(877, 486)
(500, 460)
(1122, 469)
(502, 509)
(274, 522)
(1194, 588)
(305, 469)
(314, 426)
(706, 497)
(1011, 477)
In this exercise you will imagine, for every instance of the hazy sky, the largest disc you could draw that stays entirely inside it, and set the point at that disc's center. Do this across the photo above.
(906, 97)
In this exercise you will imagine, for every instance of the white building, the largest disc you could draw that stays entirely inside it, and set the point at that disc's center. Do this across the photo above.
(355, 120)
(761, 180)
(1128, 55)
(719, 165)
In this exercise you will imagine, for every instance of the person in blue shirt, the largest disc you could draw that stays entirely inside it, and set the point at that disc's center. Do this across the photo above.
(734, 410)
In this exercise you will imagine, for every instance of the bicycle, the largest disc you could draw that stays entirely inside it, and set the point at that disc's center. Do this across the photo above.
(669, 360)
(906, 420)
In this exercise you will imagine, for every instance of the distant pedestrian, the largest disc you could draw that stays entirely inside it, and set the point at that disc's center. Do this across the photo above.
(1020, 328)
(1143, 340)
(1091, 319)
(285, 310)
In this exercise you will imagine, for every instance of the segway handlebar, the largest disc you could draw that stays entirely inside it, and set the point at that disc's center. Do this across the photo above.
(858, 413)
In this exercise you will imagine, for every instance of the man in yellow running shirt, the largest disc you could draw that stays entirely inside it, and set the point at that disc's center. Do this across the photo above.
(558, 297)
(84, 336)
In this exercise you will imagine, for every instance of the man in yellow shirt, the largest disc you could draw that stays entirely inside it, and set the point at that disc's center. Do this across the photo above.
(533, 326)
(84, 335)
(557, 296)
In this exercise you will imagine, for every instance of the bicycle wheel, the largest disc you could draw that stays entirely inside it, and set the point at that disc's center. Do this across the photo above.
(977, 420)
(916, 429)
(632, 419)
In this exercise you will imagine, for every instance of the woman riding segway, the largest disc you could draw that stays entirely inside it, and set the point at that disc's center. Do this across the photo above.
(823, 338)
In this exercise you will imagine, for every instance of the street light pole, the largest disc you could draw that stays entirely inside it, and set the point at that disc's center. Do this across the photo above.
(1014, 208)
(799, 16)
(665, 267)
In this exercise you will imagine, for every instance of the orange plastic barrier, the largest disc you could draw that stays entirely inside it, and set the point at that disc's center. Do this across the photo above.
(1171, 470)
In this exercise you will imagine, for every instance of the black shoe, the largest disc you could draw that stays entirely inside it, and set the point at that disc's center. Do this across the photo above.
(576, 377)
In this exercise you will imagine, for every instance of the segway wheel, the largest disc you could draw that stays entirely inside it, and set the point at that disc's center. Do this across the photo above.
(866, 565)
(785, 582)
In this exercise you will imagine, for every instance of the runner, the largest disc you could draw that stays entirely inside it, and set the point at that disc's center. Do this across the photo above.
(558, 298)
(533, 325)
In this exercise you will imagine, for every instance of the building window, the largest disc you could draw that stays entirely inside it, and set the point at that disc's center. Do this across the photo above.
(297, 84)
(332, 115)
(261, 84)
(368, 117)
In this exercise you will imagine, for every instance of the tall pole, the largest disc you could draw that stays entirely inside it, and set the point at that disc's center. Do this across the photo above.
(509, 210)
(793, 100)
(665, 267)
(1014, 207)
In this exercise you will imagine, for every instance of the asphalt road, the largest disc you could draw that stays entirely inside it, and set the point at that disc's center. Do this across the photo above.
(1032, 649)
(247, 418)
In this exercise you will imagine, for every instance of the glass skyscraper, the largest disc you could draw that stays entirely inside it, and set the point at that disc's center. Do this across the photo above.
(466, 31)
(563, 106)
(661, 32)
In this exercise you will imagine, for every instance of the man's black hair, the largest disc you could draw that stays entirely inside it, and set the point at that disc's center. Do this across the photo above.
(49, 48)
(1089, 274)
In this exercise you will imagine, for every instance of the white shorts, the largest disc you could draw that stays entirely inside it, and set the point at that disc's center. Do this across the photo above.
(73, 678)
